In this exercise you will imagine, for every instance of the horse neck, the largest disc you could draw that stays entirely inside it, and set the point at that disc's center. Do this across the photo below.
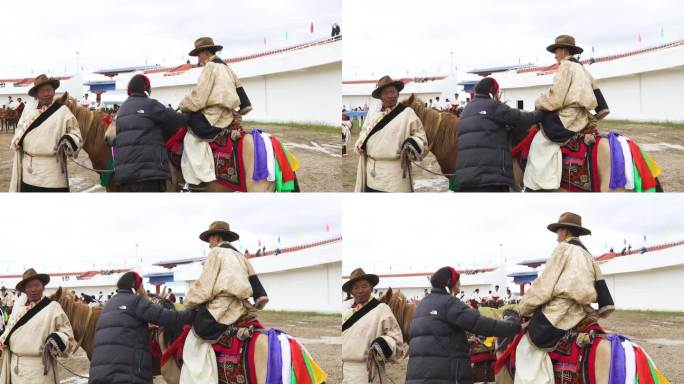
(441, 130)
(403, 312)
(82, 318)
(92, 132)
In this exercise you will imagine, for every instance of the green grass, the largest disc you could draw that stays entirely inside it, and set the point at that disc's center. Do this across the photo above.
(323, 128)
(650, 313)
(667, 124)
(303, 313)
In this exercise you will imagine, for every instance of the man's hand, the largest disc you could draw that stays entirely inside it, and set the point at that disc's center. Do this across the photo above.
(524, 325)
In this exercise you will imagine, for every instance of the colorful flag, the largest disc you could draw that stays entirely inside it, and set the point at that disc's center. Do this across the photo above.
(592, 49)
(285, 35)
(639, 38)
(264, 40)
(327, 227)
(662, 32)
(311, 27)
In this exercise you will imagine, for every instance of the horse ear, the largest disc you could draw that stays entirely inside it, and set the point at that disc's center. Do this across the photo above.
(64, 98)
(411, 99)
(388, 295)
(58, 294)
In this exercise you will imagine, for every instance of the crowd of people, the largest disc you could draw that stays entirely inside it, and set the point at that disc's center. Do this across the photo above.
(11, 112)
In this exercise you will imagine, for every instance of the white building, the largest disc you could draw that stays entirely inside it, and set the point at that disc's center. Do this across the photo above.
(639, 280)
(302, 278)
(414, 285)
(357, 93)
(18, 88)
(643, 85)
(89, 282)
(295, 84)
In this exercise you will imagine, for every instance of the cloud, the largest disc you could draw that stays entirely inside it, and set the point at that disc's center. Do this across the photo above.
(82, 232)
(401, 36)
(426, 232)
(45, 35)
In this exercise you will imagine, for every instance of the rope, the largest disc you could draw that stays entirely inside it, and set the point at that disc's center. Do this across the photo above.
(375, 365)
(430, 171)
(70, 371)
(89, 168)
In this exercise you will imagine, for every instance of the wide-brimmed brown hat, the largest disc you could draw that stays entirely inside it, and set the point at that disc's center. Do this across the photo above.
(385, 82)
(569, 220)
(205, 43)
(42, 80)
(31, 274)
(219, 228)
(565, 41)
(359, 274)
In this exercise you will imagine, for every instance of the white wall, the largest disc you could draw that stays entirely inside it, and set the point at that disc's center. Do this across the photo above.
(655, 290)
(649, 96)
(315, 289)
(310, 95)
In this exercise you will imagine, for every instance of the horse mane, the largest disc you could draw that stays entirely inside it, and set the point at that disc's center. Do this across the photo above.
(77, 312)
(90, 129)
(441, 129)
(402, 310)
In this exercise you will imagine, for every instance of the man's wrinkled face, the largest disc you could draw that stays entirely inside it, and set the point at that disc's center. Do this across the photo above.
(215, 240)
(562, 234)
(34, 290)
(361, 291)
(389, 96)
(561, 53)
(46, 94)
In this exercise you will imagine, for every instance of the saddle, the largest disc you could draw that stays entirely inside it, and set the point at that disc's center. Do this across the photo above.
(228, 164)
(579, 172)
(572, 356)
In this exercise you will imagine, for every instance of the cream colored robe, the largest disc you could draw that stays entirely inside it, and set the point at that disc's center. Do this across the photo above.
(565, 289)
(215, 95)
(356, 341)
(380, 166)
(21, 362)
(572, 96)
(36, 162)
(223, 285)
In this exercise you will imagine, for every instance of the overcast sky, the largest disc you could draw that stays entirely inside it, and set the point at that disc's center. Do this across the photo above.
(44, 35)
(71, 233)
(427, 232)
(396, 36)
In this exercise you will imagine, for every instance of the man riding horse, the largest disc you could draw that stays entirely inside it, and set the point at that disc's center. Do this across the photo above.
(559, 300)
(572, 96)
(211, 105)
(221, 296)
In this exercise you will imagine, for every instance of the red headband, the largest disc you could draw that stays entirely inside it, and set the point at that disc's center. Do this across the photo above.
(495, 85)
(138, 280)
(454, 276)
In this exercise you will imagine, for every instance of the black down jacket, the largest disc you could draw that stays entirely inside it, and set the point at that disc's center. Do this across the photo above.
(484, 142)
(122, 339)
(439, 351)
(142, 126)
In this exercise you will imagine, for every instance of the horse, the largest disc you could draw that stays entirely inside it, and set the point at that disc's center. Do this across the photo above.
(441, 129)
(404, 311)
(83, 319)
(174, 185)
(172, 368)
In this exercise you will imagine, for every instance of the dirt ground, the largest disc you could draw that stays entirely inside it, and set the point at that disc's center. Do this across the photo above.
(318, 152)
(661, 335)
(664, 144)
(321, 336)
